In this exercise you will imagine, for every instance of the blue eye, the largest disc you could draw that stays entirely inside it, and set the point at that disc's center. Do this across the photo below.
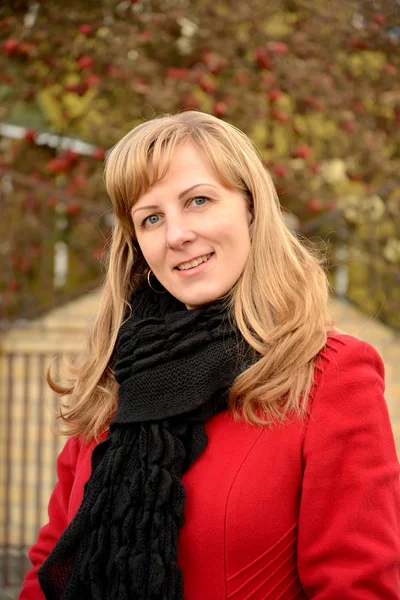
(151, 220)
(203, 199)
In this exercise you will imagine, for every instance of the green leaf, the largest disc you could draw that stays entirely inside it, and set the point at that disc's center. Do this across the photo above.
(5, 91)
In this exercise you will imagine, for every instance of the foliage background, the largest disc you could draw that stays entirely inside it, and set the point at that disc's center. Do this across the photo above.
(315, 85)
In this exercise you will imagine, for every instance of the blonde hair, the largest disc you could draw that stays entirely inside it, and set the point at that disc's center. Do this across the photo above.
(279, 303)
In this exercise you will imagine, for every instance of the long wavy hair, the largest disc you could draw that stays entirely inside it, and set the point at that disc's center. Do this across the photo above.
(279, 302)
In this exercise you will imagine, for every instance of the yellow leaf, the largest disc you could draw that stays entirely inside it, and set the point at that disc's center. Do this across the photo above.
(71, 79)
(301, 123)
(281, 141)
(41, 69)
(285, 103)
(51, 107)
(204, 99)
(280, 24)
(367, 63)
(259, 133)
(77, 105)
(321, 126)
(374, 59)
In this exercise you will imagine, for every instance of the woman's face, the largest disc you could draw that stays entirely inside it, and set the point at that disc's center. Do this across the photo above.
(193, 232)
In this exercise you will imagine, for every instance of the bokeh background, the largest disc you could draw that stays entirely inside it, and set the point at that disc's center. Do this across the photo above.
(314, 84)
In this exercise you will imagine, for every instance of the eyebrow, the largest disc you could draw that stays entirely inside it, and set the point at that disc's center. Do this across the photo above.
(180, 196)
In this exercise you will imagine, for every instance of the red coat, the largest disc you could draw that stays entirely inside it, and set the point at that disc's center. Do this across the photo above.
(301, 511)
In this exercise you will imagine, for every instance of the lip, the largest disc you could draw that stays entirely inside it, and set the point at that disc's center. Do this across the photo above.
(195, 270)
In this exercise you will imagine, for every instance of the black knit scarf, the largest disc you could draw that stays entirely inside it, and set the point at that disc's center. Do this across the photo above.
(174, 367)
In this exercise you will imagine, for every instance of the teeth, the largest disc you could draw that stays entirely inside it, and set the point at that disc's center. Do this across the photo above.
(194, 263)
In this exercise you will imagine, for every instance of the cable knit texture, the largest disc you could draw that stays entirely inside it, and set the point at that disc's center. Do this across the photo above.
(174, 367)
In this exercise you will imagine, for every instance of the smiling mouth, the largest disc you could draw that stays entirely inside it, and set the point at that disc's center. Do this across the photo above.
(194, 263)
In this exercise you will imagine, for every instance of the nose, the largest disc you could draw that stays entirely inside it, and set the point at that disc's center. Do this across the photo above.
(178, 232)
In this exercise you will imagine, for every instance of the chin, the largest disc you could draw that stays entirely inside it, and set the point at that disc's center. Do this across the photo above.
(193, 301)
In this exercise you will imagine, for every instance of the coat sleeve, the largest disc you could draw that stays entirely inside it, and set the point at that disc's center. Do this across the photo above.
(58, 519)
(348, 544)
(349, 531)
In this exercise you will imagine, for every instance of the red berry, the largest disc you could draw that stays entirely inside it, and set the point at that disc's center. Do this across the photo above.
(314, 102)
(30, 135)
(214, 62)
(51, 201)
(389, 68)
(73, 209)
(278, 47)
(52, 165)
(268, 79)
(348, 126)
(220, 109)
(86, 29)
(85, 62)
(280, 116)
(99, 153)
(144, 36)
(177, 73)
(113, 71)
(25, 49)
(13, 285)
(354, 176)
(71, 157)
(92, 80)
(315, 205)
(358, 106)
(10, 46)
(274, 94)
(379, 18)
(78, 181)
(314, 168)
(58, 165)
(207, 85)
(242, 78)
(303, 151)
(358, 44)
(262, 59)
(280, 170)
(76, 88)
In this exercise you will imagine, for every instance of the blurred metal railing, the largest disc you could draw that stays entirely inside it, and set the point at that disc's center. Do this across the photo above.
(362, 258)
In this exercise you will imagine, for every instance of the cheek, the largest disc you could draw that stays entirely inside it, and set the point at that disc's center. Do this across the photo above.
(234, 232)
(148, 249)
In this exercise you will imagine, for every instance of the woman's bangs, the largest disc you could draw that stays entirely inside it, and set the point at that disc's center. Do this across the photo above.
(225, 167)
(150, 165)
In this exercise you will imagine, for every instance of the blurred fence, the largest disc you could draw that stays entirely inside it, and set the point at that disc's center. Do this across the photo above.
(29, 444)
(28, 449)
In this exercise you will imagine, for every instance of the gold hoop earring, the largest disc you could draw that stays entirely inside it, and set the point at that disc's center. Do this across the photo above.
(148, 281)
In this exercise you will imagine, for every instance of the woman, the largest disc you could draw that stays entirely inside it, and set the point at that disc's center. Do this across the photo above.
(245, 445)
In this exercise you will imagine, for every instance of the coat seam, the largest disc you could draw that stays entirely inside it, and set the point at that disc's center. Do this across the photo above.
(226, 506)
